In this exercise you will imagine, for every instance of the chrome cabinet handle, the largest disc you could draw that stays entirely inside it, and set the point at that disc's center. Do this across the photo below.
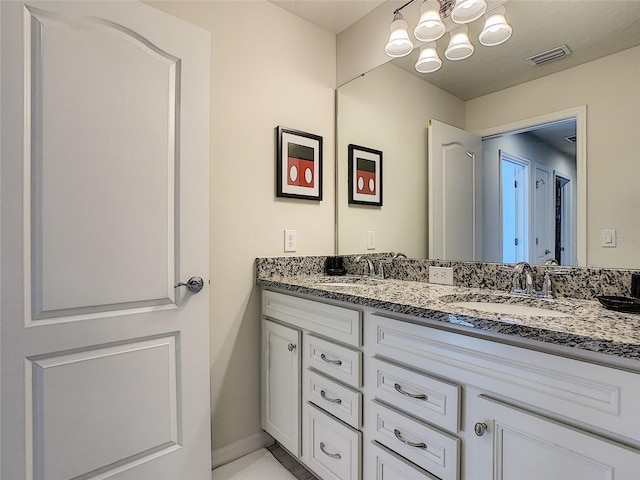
(332, 455)
(332, 400)
(480, 428)
(194, 284)
(328, 360)
(398, 435)
(412, 395)
(291, 347)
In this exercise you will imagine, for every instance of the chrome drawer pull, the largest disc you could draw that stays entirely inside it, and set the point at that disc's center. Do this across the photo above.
(332, 400)
(337, 456)
(328, 360)
(396, 432)
(412, 395)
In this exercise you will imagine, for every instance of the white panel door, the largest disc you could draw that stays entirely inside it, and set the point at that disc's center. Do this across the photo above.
(455, 193)
(518, 445)
(281, 389)
(104, 196)
(543, 241)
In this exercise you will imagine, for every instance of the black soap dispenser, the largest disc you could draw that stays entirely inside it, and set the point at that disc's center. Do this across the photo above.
(635, 285)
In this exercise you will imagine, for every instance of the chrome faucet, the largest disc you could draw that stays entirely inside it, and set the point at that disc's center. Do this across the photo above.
(369, 269)
(522, 281)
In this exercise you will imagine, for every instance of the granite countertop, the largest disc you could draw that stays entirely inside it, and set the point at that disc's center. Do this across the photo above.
(587, 325)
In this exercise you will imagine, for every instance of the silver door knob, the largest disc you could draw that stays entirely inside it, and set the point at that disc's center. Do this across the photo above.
(291, 347)
(480, 428)
(194, 284)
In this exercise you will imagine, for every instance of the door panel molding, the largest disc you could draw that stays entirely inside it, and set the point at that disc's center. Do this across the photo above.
(61, 215)
(94, 392)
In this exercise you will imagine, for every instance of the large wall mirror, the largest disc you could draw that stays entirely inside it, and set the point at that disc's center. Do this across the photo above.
(582, 168)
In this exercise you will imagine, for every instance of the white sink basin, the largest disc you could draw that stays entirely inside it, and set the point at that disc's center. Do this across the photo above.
(509, 309)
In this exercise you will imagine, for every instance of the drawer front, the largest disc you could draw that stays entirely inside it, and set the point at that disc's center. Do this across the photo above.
(339, 323)
(388, 465)
(596, 395)
(338, 400)
(435, 451)
(331, 449)
(334, 360)
(423, 396)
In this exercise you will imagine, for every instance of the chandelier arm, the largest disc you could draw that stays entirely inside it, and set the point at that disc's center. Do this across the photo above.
(397, 10)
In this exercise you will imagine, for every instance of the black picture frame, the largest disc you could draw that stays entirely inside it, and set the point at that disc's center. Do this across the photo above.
(365, 176)
(298, 164)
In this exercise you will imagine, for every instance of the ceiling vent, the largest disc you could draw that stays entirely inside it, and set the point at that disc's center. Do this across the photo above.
(548, 56)
(571, 139)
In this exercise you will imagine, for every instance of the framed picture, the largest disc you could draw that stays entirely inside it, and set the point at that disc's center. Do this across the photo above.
(298, 164)
(365, 176)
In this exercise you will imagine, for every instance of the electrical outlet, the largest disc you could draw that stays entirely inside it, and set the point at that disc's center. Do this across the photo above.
(290, 241)
(371, 240)
(441, 275)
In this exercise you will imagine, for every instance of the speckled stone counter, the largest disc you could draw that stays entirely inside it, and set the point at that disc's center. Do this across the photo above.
(586, 326)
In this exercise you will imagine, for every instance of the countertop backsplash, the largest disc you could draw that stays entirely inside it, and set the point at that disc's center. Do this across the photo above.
(574, 282)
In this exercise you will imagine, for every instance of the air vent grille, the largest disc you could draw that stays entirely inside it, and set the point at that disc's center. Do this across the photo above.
(548, 56)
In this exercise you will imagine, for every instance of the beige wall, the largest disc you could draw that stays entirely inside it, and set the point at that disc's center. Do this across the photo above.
(268, 68)
(609, 87)
(388, 109)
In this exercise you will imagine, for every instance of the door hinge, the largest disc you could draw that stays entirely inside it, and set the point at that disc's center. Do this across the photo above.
(536, 240)
(516, 241)
(515, 184)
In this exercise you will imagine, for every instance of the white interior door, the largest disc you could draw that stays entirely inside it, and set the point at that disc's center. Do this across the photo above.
(543, 241)
(104, 196)
(455, 193)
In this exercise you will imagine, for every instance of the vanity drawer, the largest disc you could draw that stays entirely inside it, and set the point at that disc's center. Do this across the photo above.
(331, 449)
(340, 401)
(334, 360)
(435, 451)
(388, 465)
(595, 395)
(421, 395)
(339, 323)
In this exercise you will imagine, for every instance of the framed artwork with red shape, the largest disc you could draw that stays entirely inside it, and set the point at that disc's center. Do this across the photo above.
(365, 176)
(298, 164)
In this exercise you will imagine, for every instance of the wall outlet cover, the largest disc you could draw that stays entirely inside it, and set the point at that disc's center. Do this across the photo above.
(290, 241)
(441, 275)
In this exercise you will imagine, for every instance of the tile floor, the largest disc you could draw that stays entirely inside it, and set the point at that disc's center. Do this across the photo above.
(272, 463)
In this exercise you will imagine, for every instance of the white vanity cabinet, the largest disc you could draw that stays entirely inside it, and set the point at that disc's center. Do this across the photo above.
(367, 395)
(317, 382)
(525, 414)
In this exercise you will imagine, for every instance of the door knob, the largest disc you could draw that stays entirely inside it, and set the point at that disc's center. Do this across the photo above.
(291, 347)
(480, 428)
(194, 284)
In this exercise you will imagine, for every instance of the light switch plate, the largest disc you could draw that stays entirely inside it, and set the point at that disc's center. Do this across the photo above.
(608, 238)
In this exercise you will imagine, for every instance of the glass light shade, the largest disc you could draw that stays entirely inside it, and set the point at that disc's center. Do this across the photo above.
(399, 43)
(496, 30)
(428, 60)
(459, 46)
(430, 26)
(467, 11)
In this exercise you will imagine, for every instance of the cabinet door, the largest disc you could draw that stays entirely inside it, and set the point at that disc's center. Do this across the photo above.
(519, 445)
(281, 384)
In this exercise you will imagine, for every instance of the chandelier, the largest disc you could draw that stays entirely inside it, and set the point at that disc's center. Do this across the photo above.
(431, 27)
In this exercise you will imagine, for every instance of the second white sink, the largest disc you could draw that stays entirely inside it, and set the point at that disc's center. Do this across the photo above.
(509, 309)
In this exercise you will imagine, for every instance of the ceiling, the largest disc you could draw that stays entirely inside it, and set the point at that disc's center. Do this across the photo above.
(591, 28)
(332, 15)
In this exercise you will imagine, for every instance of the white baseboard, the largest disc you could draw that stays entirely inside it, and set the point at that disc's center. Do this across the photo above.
(235, 450)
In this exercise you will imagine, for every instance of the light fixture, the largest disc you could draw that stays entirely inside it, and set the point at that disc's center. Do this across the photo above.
(399, 43)
(459, 46)
(496, 30)
(466, 11)
(431, 27)
(428, 60)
